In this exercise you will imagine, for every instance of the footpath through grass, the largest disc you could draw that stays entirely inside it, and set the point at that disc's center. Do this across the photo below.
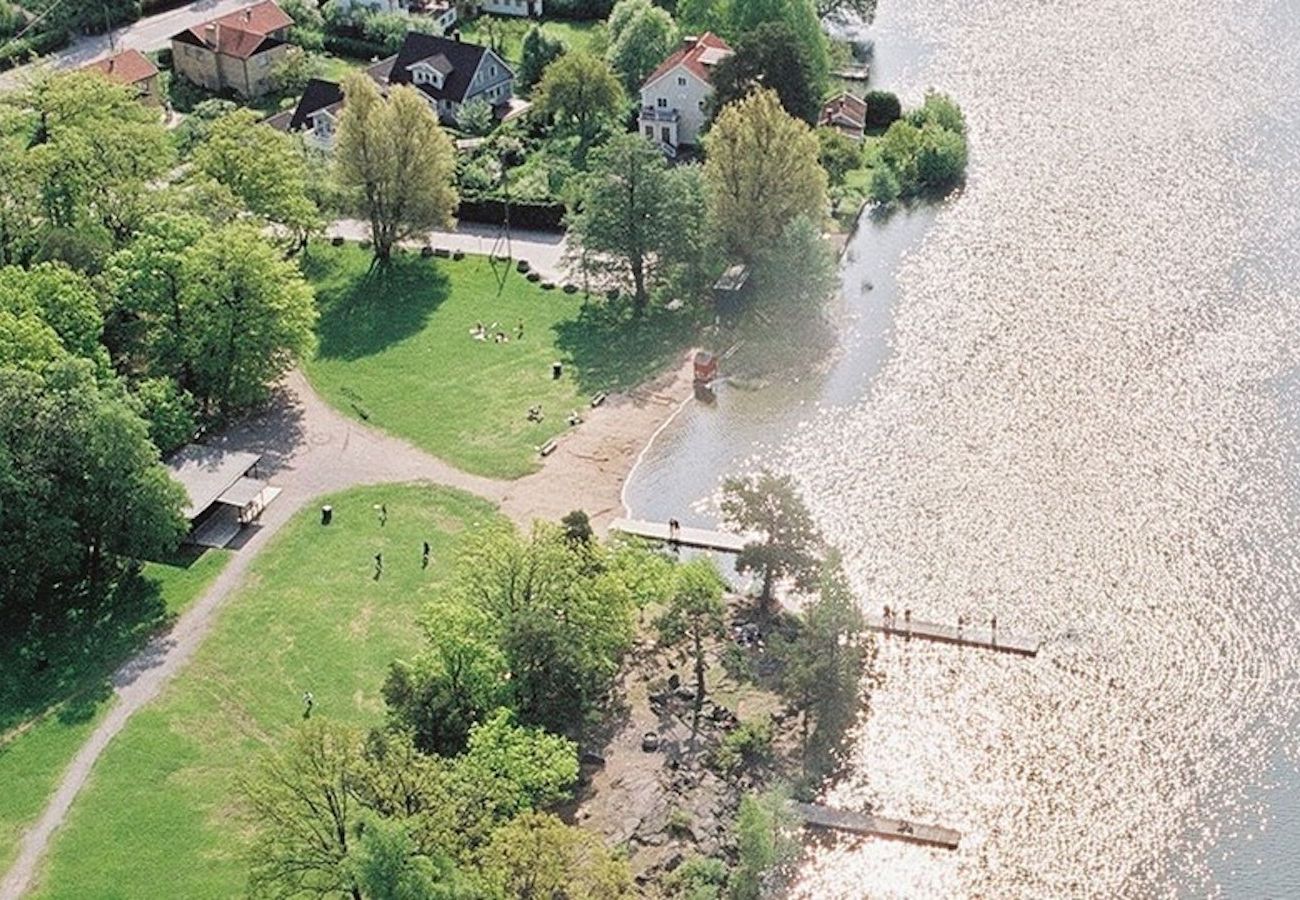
(396, 351)
(56, 689)
(160, 816)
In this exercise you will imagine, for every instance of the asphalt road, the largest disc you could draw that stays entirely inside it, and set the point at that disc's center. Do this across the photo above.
(152, 33)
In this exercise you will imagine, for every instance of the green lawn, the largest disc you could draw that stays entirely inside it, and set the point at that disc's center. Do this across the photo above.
(396, 351)
(506, 33)
(46, 715)
(160, 814)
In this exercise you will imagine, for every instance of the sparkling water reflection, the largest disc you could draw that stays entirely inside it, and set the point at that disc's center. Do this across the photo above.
(1081, 430)
(1086, 425)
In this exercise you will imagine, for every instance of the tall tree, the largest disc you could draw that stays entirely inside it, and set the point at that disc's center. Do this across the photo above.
(388, 865)
(303, 798)
(264, 169)
(248, 315)
(799, 15)
(770, 56)
(536, 855)
(539, 51)
(789, 543)
(633, 210)
(580, 92)
(395, 163)
(94, 150)
(696, 613)
(825, 665)
(641, 36)
(762, 173)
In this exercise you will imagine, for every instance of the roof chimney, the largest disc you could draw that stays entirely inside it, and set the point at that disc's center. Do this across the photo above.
(690, 40)
(210, 34)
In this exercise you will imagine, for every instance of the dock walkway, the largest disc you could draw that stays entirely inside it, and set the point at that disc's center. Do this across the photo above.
(698, 538)
(876, 826)
(984, 638)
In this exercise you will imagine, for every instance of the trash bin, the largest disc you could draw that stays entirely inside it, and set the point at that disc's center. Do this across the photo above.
(557, 370)
(326, 515)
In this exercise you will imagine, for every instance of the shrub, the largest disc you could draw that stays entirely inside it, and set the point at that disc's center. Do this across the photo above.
(749, 744)
(939, 109)
(883, 109)
(884, 186)
(839, 153)
(941, 157)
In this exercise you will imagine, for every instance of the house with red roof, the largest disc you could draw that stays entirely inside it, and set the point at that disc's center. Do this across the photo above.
(236, 51)
(845, 113)
(675, 96)
(132, 69)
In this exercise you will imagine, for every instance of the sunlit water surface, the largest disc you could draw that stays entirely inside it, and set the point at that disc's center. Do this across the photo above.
(1083, 422)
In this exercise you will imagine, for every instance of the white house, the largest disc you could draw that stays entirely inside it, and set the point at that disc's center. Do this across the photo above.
(674, 97)
(511, 7)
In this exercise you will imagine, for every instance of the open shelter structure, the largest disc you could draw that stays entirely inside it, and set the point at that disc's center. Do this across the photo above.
(223, 489)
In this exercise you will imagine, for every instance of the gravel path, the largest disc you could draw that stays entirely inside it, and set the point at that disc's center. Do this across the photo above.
(310, 450)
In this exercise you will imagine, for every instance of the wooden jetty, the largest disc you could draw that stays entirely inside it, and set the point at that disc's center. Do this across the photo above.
(966, 636)
(876, 826)
(853, 73)
(698, 538)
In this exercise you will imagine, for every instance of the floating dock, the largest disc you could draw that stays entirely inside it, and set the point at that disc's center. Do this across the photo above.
(966, 636)
(698, 538)
(876, 826)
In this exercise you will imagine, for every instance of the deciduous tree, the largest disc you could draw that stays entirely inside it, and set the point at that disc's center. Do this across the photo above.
(394, 162)
(539, 51)
(247, 314)
(789, 543)
(632, 216)
(771, 56)
(581, 93)
(264, 169)
(536, 855)
(641, 36)
(761, 174)
(696, 613)
(801, 18)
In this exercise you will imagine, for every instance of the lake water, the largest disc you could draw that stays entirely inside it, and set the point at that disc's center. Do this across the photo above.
(1070, 400)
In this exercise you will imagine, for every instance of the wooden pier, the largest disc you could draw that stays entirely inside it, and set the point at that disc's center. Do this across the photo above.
(876, 826)
(697, 538)
(966, 636)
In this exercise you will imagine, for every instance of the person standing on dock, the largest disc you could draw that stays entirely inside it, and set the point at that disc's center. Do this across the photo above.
(993, 626)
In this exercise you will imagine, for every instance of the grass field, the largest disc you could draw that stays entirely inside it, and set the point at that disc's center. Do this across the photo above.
(507, 33)
(45, 716)
(396, 351)
(160, 814)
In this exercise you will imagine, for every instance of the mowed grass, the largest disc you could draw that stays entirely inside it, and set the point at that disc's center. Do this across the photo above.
(47, 711)
(396, 351)
(508, 32)
(161, 814)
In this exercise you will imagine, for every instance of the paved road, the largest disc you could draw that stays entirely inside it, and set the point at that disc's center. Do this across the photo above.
(152, 33)
(544, 250)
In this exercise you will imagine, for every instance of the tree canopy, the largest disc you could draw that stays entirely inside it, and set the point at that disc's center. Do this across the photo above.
(641, 36)
(580, 93)
(394, 162)
(539, 51)
(771, 56)
(761, 174)
(789, 543)
(634, 215)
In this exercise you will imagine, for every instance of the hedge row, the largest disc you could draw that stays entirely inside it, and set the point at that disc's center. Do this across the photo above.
(17, 52)
(490, 211)
(355, 47)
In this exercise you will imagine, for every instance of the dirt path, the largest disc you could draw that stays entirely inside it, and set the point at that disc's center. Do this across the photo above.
(310, 450)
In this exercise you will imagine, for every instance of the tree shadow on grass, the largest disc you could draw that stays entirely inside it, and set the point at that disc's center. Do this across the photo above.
(608, 348)
(68, 660)
(364, 311)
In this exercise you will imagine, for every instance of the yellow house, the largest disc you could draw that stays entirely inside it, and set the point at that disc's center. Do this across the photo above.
(132, 69)
(236, 51)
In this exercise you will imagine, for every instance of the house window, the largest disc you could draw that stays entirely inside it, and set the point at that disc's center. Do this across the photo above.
(493, 71)
(666, 134)
(662, 103)
(681, 81)
(650, 131)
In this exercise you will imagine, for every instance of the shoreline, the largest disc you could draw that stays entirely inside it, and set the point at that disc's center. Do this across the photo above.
(592, 463)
